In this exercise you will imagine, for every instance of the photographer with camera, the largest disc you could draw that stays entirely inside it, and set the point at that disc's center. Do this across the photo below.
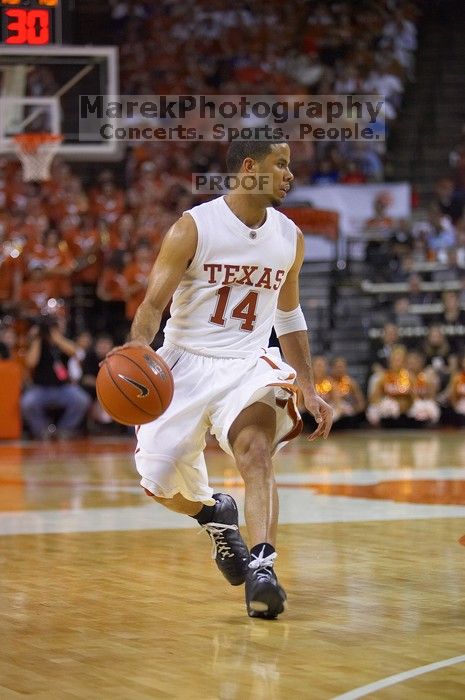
(46, 357)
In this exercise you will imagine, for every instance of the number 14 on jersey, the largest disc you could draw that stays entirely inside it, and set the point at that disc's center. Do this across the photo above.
(244, 310)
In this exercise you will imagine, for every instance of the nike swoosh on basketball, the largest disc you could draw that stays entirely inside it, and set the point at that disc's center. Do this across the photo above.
(143, 389)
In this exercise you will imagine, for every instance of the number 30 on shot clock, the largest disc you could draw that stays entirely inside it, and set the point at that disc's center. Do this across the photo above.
(30, 22)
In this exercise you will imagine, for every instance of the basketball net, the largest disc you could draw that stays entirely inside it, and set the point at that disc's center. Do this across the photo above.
(36, 152)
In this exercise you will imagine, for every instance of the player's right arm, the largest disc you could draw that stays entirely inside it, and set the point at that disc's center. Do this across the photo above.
(177, 250)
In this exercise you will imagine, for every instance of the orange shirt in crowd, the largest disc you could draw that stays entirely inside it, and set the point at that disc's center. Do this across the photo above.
(112, 285)
(85, 249)
(136, 275)
(35, 293)
(69, 205)
(108, 205)
(458, 387)
(324, 387)
(57, 263)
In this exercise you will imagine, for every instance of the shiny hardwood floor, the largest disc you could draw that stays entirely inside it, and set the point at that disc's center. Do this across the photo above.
(105, 595)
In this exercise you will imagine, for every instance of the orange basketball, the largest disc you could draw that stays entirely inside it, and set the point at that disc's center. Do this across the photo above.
(135, 385)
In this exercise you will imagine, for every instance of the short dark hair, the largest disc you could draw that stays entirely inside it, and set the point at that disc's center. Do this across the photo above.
(239, 150)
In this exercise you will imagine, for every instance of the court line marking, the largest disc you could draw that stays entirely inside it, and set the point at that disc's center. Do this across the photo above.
(348, 477)
(298, 506)
(399, 678)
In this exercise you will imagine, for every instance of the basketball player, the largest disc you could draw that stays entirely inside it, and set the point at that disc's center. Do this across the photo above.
(232, 266)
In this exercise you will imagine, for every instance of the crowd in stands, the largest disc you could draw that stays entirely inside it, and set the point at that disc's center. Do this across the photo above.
(415, 385)
(411, 385)
(320, 49)
(74, 264)
(407, 246)
(416, 274)
(74, 254)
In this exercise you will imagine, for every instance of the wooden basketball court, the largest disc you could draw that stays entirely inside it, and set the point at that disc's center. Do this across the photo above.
(105, 595)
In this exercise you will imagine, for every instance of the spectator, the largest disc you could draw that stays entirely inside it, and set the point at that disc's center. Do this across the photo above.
(83, 343)
(452, 321)
(352, 174)
(36, 290)
(452, 314)
(416, 295)
(380, 224)
(8, 343)
(90, 367)
(351, 400)
(400, 245)
(402, 269)
(457, 163)
(325, 174)
(377, 231)
(85, 246)
(382, 348)
(438, 233)
(438, 355)
(112, 291)
(136, 274)
(107, 202)
(52, 255)
(46, 357)
(451, 201)
(369, 161)
(403, 316)
(459, 251)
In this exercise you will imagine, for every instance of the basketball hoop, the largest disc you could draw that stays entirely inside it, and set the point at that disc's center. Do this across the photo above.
(36, 152)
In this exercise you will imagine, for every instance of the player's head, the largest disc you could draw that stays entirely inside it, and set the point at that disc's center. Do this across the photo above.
(263, 158)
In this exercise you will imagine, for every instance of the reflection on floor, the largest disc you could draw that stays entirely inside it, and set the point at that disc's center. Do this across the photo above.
(104, 594)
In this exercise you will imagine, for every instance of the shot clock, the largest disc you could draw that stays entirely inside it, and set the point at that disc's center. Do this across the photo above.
(31, 22)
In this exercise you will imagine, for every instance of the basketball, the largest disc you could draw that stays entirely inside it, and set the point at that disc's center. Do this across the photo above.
(135, 385)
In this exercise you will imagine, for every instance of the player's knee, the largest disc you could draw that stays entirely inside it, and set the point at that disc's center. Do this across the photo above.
(252, 450)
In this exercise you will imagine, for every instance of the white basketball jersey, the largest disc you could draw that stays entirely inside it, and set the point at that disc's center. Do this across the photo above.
(226, 302)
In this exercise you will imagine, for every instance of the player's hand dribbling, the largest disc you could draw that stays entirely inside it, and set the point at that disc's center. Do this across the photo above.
(129, 344)
(322, 413)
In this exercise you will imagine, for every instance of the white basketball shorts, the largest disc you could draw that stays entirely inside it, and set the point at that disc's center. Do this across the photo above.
(209, 393)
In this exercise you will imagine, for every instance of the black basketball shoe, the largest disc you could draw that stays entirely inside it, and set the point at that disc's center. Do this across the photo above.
(229, 549)
(264, 596)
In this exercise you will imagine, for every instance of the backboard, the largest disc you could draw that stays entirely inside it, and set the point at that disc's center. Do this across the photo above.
(40, 88)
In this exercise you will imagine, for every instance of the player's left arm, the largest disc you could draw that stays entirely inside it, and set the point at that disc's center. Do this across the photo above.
(295, 344)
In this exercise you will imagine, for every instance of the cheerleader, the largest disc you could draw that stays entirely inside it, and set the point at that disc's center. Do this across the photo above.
(425, 409)
(393, 394)
(351, 400)
(454, 412)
